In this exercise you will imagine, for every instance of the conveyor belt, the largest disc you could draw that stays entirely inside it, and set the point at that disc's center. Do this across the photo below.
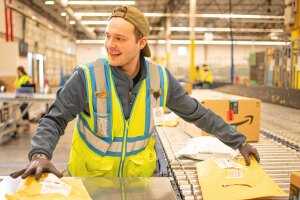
(281, 123)
(279, 148)
(277, 160)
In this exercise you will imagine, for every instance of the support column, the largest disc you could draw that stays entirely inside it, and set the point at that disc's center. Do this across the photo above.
(295, 73)
(168, 42)
(193, 4)
(232, 71)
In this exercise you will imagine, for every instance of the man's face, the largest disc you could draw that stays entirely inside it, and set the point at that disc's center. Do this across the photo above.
(120, 43)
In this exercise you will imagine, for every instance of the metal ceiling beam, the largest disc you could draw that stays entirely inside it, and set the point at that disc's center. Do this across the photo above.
(46, 12)
(39, 21)
(88, 32)
(170, 7)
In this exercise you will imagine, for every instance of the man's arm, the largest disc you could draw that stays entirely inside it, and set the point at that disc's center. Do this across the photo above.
(70, 100)
(192, 111)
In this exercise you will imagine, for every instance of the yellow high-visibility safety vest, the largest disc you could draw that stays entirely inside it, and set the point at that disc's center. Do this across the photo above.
(105, 143)
(22, 80)
(205, 75)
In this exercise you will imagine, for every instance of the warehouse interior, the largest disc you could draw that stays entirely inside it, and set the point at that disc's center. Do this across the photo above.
(251, 50)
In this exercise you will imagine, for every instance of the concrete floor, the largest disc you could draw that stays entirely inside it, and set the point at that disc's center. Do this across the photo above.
(13, 153)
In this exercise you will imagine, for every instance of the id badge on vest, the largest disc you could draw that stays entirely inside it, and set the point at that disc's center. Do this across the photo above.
(158, 116)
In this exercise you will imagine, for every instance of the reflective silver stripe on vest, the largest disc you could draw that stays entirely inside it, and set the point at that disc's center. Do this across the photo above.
(101, 102)
(135, 146)
(154, 84)
(97, 142)
(114, 146)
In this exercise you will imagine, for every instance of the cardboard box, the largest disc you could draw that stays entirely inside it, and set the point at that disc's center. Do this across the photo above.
(295, 186)
(244, 80)
(241, 113)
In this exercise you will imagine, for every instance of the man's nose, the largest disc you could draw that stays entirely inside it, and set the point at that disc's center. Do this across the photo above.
(110, 42)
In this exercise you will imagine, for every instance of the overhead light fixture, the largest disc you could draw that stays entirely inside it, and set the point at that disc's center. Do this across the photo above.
(208, 36)
(273, 36)
(199, 29)
(222, 16)
(92, 14)
(205, 29)
(63, 14)
(64, 2)
(101, 2)
(49, 2)
(100, 14)
(213, 42)
(94, 22)
(72, 22)
(240, 16)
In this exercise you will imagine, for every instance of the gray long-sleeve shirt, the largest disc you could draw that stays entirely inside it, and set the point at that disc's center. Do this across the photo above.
(72, 99)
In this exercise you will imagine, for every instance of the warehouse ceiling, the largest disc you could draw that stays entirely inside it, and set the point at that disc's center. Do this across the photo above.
(252, 20)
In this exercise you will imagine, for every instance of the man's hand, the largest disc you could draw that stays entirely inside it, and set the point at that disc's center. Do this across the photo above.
(247, 150)
(39, 164)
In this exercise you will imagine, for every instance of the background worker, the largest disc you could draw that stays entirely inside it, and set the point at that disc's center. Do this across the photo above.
(206, 77)
(22, 79)
(118, 102)
(197, 82)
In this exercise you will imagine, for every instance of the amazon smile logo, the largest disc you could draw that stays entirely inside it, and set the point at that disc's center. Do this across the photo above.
(248, 118)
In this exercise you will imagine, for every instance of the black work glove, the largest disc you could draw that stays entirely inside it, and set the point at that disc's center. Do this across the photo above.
(38, 164)
(247, 150)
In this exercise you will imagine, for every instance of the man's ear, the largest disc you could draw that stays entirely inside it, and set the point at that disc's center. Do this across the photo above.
(143, 42)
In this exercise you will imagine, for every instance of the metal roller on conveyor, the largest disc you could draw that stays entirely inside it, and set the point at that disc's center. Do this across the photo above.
(278, 148)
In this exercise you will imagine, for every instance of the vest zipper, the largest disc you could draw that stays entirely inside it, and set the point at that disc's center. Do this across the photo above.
(121, 168)
(130, 97)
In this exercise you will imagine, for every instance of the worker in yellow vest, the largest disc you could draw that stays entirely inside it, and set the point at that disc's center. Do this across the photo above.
(205, 77)
(117, 103)
(22, 79)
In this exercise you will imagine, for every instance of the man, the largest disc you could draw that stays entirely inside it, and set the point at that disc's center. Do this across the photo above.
(118, 101)
(206, 77)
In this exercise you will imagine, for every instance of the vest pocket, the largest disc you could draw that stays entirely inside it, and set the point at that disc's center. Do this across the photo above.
(102, 167)
(142, 164)
(103, 128)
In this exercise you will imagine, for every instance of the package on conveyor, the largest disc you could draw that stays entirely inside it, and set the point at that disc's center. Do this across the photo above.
(241, 113)
(205, 147)
(231, 179)
(50, 187)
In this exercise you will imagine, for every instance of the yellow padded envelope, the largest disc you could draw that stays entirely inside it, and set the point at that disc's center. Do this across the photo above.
(230, 179)
(50, 187)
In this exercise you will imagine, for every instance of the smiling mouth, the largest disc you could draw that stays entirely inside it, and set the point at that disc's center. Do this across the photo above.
(114, 54)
